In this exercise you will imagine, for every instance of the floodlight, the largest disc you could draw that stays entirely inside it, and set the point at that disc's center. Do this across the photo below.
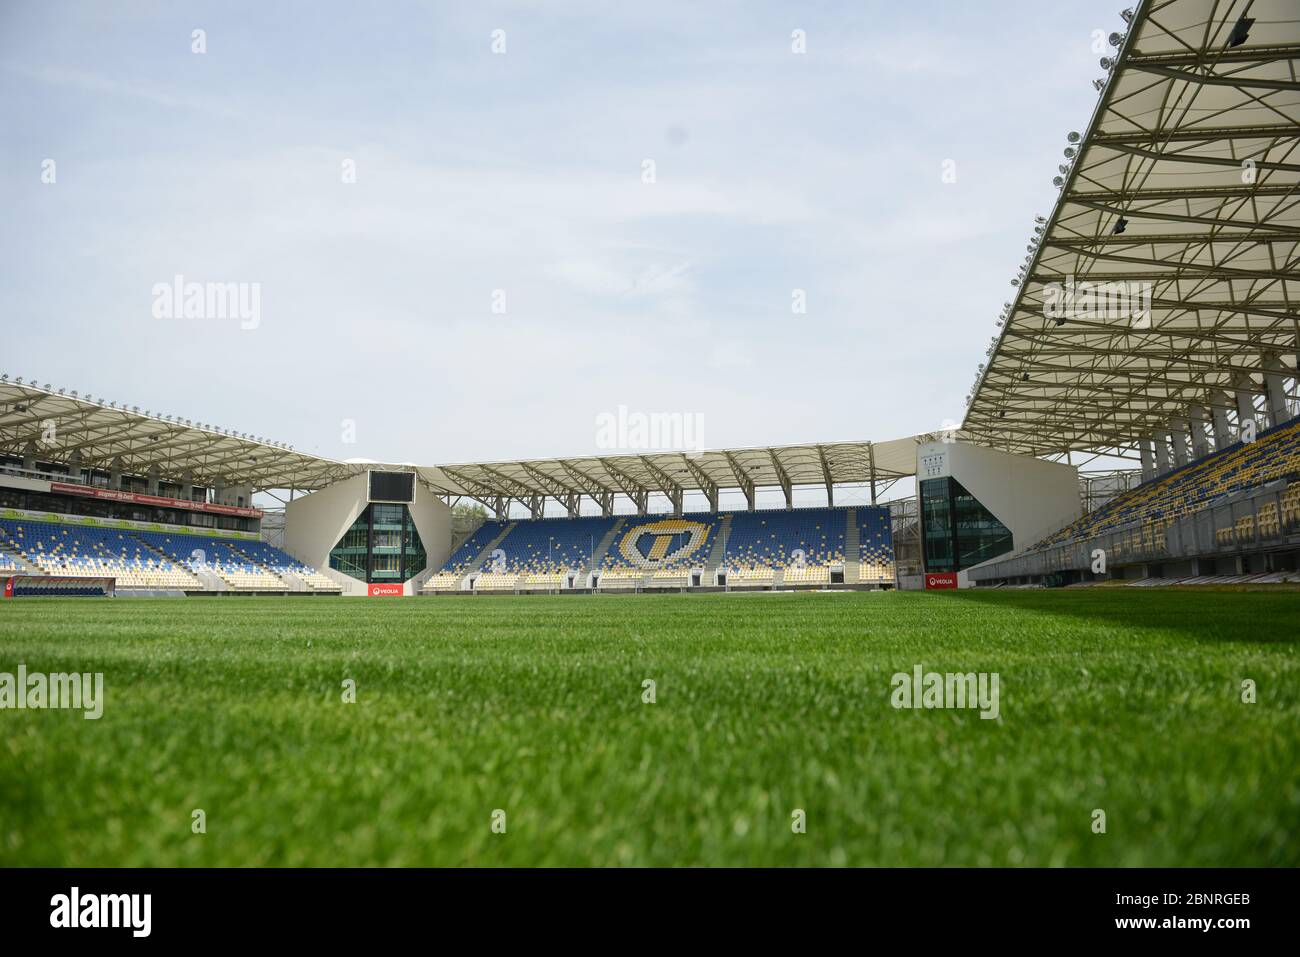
(1241, 31)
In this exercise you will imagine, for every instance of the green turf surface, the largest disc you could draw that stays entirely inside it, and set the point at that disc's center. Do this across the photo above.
(1127, 700)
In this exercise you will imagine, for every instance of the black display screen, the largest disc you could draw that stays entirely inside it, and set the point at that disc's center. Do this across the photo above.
(392, 487)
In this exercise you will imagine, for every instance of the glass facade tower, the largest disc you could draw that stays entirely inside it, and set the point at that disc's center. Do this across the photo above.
(382, 545)
(957, 530)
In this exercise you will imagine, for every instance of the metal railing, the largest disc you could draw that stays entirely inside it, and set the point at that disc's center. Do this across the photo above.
(1262, 518)
(41, 476)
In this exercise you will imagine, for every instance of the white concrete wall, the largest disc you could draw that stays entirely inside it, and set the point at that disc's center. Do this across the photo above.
(315, 523)
(1031, 497)
(433, 522)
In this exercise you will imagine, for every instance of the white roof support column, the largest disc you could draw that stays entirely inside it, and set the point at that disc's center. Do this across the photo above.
(744, 481)
(783, 478)
(1275, 391)
(1245, 395)
(1178, 439)
(706, 484)
(830, 482)
(1148, 458)
(1162, 454)
(1200, 438)
(1219, 410)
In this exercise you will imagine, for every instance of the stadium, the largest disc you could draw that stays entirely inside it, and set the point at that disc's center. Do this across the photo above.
(1130, 441)
(1151, 324)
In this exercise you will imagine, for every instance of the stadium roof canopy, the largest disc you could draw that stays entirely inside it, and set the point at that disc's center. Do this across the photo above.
(1186, 189)
(672, 473)
(66, 427)
(51, 425)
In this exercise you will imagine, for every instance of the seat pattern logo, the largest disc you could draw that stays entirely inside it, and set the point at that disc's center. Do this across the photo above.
(657, 544)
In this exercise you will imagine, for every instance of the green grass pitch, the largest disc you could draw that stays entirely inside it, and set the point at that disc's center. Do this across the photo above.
(1123, 700)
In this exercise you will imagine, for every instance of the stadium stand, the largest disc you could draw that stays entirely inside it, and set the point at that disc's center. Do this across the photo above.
(799, 541)
(876, 545)
(281, 564)
(796, 547)
(217, 556)
(462, 560)
(551, 546)
(150, 560)
(1154, 505)
(70, 550)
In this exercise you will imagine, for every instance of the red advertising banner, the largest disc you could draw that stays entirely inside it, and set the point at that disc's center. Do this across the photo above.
(9, 588)
(385, 591)
(935, 580)
(89, 491)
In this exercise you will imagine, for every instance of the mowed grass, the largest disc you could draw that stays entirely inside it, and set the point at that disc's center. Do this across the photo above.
(1125, 700)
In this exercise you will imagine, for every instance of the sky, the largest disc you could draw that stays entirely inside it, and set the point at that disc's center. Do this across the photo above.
(476, 230)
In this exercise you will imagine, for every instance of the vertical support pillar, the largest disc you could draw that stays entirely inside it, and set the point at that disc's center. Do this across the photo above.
(1200, 440)
(1222, 431)
(1275, 391)
(1178, 440)
(1162, 454)
(1245, 395)
(1148, 454)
